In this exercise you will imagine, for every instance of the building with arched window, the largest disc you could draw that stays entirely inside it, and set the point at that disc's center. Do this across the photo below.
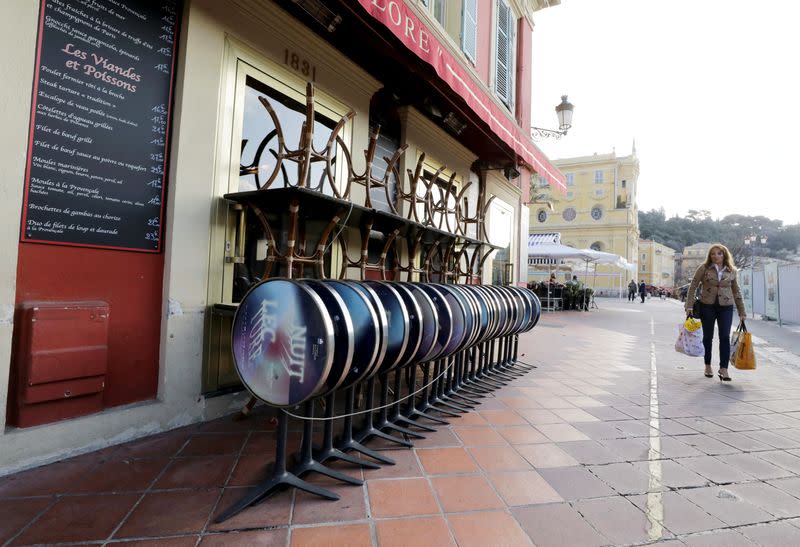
(656, 263)
(141, 139)
(599, 211)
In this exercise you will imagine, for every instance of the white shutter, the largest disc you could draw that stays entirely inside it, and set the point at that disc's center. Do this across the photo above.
(512, 60)
(469, 29)
(504, 55)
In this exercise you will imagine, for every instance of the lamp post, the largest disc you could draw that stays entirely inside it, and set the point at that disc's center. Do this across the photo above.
(564, 112)
(751, 241)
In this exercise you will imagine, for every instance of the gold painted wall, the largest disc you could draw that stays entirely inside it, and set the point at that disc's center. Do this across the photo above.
(656, 264)
(598, 211)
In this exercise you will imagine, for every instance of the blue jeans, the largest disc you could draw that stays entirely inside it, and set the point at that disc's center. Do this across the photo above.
(723, 317)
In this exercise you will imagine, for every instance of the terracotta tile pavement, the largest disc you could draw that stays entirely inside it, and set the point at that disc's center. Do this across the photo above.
(309, 509)
(415, 531)
(275, 513)
(401, 498)
(523, 488)
(265, 538)
(465, 493)
(495, 528)
(14, 514)
(82, 518)
(182, 541)
(349, 535)
(170, 513)
(499, 458)
(557, 457)
(442, 461)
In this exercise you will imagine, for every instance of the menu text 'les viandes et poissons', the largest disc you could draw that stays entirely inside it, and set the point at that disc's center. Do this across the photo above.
(97, 156)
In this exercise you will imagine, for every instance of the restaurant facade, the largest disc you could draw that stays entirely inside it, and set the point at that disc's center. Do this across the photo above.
(128, 122)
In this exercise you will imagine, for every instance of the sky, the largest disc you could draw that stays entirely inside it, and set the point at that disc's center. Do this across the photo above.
(709, 89)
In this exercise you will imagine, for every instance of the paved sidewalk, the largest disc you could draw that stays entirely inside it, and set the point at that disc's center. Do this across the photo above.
(615, 439)
(781, 344)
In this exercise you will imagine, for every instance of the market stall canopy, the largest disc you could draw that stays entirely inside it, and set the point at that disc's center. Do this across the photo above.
(544, 237)
(557, 251)
(600, 257)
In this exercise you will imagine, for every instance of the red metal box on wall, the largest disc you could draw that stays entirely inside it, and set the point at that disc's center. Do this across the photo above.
(60, 361)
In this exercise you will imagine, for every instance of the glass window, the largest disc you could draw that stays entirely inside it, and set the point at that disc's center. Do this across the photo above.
(438, 10)
(541, 216)
(385, 147)
(501, 228)
(598, 176)
(644, 256)
(624, 183)
(254, 151)
(596, 246)
(597, 213)
(441, 199)
(569, 214)
(570, 179)
(260, 139)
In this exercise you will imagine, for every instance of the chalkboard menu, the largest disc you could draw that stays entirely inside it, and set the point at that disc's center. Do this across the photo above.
(99, 123)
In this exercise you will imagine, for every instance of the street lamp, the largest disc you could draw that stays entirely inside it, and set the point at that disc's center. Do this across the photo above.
(564, 112)
(751, 241)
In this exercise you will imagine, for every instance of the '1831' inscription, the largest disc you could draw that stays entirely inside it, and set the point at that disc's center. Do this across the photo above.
(299, 64)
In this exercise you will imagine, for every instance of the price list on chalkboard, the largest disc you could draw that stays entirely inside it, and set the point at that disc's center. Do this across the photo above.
(96, 171)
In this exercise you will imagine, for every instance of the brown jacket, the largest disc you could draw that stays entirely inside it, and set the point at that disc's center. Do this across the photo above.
(711, 288)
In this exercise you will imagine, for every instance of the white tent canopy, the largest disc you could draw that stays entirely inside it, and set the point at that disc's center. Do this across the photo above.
(556, 251)
(600, 257)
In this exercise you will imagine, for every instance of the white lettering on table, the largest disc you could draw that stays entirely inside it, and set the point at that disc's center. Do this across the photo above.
(263, 329)
(264, 332)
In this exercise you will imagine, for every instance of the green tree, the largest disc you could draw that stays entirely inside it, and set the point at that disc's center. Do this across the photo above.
(732, 230)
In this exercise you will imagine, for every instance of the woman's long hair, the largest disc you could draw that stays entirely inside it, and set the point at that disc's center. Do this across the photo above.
(727, 257)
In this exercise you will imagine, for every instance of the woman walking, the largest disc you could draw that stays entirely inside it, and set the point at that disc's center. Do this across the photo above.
(719, 292)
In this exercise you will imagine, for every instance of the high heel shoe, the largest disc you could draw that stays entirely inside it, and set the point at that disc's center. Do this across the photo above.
(708, 373)
(724, 378)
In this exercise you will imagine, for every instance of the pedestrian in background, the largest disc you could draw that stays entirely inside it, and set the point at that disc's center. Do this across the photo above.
(719, 292)
(642, 290)
(632, 291)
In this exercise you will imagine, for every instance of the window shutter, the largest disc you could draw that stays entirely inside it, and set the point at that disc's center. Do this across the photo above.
(504, 54)
(469, 29)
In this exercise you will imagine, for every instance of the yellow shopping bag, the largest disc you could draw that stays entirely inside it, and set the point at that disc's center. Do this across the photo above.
(744, 358)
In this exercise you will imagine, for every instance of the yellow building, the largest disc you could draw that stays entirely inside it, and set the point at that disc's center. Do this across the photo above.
(656, 264)
(598, 212)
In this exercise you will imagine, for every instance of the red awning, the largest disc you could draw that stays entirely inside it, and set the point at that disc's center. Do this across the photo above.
(407, 27)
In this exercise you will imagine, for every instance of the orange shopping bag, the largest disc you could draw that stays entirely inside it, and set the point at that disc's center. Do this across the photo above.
(743, 356)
